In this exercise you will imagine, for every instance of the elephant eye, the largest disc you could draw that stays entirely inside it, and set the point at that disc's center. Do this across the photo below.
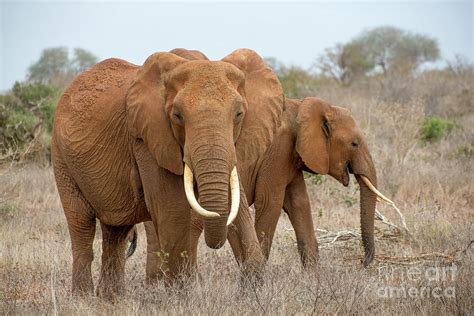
(177, 118)
(238, 115)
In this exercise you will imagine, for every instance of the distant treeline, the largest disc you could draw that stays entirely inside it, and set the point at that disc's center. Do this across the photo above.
(376, 61)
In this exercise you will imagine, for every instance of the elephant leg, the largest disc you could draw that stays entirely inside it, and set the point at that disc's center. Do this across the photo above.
(197, 228)
(175, 248)
(82, 232)
(111, 279)
(265, 228)
(154, 262)
(171, 218)
(234, 241)
(169, 210)
(244, 242)
(81, 225)
(268, 206)
(298, 207)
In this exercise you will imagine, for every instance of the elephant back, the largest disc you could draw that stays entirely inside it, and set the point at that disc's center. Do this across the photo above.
(90, 134)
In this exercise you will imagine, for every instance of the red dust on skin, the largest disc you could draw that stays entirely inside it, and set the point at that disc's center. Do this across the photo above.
(114, 122)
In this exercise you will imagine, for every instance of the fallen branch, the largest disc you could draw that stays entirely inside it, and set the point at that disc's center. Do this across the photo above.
(328, 238)
(400, 214)
(416, 259)
(379, 216)
(402, 218)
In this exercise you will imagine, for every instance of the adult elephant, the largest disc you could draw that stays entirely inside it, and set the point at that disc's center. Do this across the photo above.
(315, 137)
(126, 136)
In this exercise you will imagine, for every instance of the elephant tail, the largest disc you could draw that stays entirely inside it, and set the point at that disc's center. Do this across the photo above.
(133, 244)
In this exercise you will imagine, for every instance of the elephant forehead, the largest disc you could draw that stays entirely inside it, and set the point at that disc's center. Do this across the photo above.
(216, 94)
(342, 117)
(344, 121)
(198, 70)
(207, 83)
(207, 73)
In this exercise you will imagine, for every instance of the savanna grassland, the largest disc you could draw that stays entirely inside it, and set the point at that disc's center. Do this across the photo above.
(420, 132)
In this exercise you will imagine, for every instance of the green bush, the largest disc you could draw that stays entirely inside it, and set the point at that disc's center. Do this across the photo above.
(296, 82)
(19, 123)
(26, 113)
(435, 128)
(39, 99)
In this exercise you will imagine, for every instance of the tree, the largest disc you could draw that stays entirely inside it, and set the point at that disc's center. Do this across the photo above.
(393, 49)
(415, 50)
(331, 64)
(379, 45)
(385, 49)
(344, 62)
(55, 67)
(83, 59)
(52, 66)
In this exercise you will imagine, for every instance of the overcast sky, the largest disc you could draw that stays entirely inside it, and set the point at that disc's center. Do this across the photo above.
(295, 33)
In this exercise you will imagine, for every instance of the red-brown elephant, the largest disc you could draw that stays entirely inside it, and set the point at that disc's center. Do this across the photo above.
(129, 143)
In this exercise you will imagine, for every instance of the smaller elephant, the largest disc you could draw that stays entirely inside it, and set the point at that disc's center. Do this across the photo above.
(318, 138)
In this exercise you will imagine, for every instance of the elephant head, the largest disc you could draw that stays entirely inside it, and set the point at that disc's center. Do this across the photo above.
(330, 142)
(199, 117)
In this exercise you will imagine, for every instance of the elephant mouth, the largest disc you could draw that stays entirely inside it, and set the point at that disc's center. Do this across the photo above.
(345, 175)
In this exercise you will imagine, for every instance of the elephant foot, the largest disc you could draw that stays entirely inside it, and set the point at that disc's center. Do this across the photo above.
(252, 274)
(82, 284)
(181, 278)
(154, 272)
(111, 284)
(310, 261)
(83, 290)
(109, 292)
(180, 284)
(153, 278)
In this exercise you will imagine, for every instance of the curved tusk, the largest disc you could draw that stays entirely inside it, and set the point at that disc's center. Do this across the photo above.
(235, 193)
(374, 189)
(189, 190)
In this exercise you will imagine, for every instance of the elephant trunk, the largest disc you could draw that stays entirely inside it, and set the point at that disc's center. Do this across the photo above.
(367, 214)
(368, 198)
(212, 177)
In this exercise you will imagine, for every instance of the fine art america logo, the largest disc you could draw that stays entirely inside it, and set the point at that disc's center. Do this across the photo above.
(417, 282)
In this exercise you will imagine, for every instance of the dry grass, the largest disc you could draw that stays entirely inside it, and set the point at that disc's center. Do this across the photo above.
(431, 183)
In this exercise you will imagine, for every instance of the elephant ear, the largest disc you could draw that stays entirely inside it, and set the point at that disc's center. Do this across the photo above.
(146, 115)
(189, 54)
(266, 104)
(312, 141)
